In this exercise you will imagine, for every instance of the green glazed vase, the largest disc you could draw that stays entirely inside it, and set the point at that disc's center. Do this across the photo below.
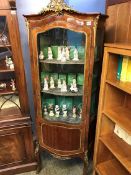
(55, 51)
(71, 53)
(62, 77)
(44, 75)
(70, 78)
(81, 52)
(80, 79)
(45, 51)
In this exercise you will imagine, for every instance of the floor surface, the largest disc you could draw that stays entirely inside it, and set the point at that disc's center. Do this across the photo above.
(53, 166)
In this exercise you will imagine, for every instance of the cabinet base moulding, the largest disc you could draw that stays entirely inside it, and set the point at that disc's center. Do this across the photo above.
(19, 169)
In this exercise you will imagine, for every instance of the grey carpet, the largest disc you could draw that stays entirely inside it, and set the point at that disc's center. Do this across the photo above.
(53, 166)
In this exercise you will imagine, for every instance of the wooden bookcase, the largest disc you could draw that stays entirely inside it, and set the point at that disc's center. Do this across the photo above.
(112, 155)
(16, 141)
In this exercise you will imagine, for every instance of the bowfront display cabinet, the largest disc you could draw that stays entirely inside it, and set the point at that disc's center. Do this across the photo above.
(66, 51)
(16, 142)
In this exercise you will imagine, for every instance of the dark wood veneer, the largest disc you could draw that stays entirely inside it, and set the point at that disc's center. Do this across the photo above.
(61, 138)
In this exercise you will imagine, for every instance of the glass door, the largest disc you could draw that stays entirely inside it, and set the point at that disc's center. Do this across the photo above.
(9, 100)
(61, 55)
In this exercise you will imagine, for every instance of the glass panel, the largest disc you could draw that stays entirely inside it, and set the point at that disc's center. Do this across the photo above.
(8, 91)
(61, 54)
(4, 35)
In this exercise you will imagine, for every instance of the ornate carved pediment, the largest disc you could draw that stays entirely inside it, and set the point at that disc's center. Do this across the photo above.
(56, 6)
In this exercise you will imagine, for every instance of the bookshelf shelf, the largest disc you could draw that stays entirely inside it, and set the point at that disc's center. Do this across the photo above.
(119, 149)
(121, 116)
(124, 86)
(110, 167)
(112, 155)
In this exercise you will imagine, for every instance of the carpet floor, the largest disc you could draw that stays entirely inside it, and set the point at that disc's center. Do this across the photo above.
(53, 166)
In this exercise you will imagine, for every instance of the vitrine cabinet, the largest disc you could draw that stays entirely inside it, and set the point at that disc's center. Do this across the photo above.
(66, 51)
(16, 143)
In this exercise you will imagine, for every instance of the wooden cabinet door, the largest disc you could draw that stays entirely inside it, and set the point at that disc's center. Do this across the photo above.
(15, 147)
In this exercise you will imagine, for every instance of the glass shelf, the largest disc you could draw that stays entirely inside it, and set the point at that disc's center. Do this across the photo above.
(58, 92)
(60, 62)
(8, 90)
(5, 45)
(4, 68)
(69, 119)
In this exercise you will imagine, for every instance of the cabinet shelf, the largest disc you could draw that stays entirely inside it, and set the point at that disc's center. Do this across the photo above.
(8, 90)
(120, 149)
(111, 167)
(3, 68)
(5, 45)
(121, 116)
(61, 119)
(124, 86)
(59, 62)
(57, 92)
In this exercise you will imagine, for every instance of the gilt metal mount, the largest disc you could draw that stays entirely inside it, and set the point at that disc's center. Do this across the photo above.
(56, 6)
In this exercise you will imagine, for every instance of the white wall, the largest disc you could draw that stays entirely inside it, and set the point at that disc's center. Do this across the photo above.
(88, 5)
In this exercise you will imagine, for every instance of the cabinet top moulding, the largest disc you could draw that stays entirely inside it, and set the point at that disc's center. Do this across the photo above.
(118, 48)
(119, 45)
(73, 12)
(7, 5)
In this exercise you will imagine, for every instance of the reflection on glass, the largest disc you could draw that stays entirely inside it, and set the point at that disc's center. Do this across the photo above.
(4, 38)
(9, 98)
(61, 55)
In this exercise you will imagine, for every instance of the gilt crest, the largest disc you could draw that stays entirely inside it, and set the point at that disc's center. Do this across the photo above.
(56, 6)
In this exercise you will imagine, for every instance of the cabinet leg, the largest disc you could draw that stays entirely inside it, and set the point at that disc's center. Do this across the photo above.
(85, 169)
(94, 173)
(39, 167)
(38, 158)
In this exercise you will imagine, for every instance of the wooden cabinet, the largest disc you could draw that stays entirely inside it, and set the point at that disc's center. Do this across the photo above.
(16, 153)
(66, 54)
(16, 143)
(113, 154)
